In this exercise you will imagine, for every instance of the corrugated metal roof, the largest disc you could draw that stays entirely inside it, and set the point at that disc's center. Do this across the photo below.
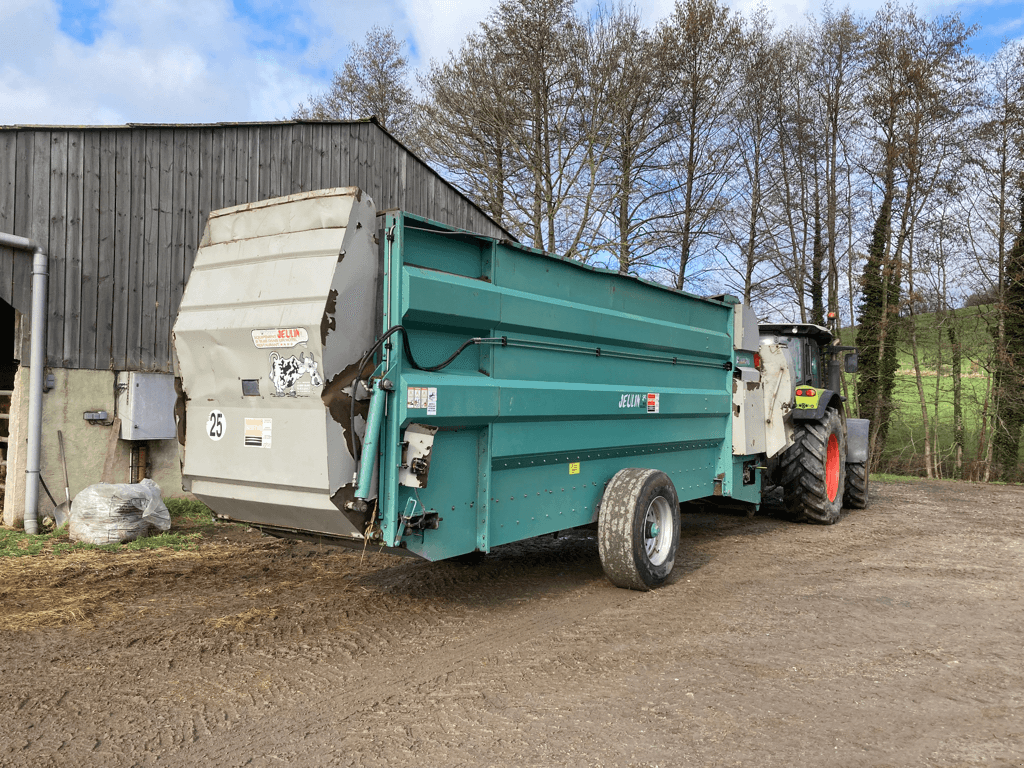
(127, 126)
(199, 126)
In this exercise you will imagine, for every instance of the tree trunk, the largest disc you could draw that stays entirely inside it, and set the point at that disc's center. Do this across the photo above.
(958, 412)
(817, 262)
(920, 393)
(980, 456)
(936, 446)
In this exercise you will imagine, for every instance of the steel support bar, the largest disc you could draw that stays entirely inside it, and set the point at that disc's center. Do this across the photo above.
(36, 363)
(369, 453)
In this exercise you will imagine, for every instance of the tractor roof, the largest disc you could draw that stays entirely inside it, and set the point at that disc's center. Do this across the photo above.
(819, 333)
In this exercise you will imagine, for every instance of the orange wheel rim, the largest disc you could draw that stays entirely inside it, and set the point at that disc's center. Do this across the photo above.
(832, 468)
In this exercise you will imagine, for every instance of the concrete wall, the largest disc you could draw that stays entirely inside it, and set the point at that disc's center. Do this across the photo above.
(89, 448)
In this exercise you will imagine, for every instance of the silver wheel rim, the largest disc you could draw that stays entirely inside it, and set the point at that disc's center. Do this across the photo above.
(658, 531)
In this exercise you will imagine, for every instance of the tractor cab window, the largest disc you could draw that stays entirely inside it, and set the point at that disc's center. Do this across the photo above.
(798, 348)
(801, 372)
(809, 370)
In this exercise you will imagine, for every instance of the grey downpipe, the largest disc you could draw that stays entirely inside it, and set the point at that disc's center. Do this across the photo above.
(35, 382)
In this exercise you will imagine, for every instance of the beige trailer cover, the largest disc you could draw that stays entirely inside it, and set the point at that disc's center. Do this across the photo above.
(279, 309)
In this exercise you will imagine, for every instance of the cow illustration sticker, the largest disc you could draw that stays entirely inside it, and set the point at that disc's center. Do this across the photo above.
(216, 426)
(287, 374)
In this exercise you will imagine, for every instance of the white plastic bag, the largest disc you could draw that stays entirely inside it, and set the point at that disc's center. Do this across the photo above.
(107, 513)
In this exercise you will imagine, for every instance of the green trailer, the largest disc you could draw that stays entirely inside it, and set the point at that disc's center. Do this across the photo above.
(386, 381)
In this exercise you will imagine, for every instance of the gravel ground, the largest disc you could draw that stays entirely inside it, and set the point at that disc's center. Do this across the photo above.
(890, 639)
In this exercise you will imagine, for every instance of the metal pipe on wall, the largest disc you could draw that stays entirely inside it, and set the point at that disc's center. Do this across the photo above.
(35, 385)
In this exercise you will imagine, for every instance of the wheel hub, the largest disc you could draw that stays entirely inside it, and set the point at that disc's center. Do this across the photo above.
(658, 530)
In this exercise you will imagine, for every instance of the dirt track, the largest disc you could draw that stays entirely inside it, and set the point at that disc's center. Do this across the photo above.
(891, 639)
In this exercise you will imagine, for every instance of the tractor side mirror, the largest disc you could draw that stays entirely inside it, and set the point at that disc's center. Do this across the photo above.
(850, 363)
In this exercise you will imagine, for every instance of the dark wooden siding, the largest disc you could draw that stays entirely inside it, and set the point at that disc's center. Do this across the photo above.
(120, 212)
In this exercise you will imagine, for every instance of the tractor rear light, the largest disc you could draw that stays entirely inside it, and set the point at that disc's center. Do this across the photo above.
(757, 360)
(809, 392)
(799, 393)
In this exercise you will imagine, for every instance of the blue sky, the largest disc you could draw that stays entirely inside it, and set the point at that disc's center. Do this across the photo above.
(103, 62)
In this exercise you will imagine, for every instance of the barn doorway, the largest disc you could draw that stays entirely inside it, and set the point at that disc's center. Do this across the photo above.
(8, 371)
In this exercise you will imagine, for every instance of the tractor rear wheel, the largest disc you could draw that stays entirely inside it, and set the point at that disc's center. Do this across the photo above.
(857, 480)
(638, 528)
(814, 470)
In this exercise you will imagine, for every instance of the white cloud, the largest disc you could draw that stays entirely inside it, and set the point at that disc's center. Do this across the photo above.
(440, 26)
(1006, 28)
(152, 62)
(199, 60)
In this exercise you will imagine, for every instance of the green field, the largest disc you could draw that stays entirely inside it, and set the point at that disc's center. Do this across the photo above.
(904, 452)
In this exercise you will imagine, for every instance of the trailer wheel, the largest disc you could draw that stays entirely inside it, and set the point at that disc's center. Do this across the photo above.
(638, 528)
(814, 470)
(857, 482)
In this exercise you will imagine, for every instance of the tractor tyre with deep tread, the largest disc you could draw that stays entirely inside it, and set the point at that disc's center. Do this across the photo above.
(814, 470)
(638, 528)
(857, 485)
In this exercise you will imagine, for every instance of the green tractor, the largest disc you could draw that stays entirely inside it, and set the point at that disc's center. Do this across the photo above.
(826, 465)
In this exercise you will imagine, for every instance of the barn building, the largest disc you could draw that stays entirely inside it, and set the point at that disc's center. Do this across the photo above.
(119, 212)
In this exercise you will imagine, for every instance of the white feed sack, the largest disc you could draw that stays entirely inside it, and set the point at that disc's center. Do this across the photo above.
(108, 513)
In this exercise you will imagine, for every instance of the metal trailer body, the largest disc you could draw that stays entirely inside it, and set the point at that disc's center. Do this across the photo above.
(570, 374)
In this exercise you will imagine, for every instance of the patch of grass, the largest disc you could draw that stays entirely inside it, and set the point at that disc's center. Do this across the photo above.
(885, 477)
(17, 543)
(174, 540)
(190, 512)
(189, 520)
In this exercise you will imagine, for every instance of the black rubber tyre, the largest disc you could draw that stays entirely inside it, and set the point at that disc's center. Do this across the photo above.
(814, 470)
(638, 528)
(857, 486)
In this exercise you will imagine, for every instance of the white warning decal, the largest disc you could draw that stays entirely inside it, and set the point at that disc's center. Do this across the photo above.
(279, 338)
(422, 397)
(653, 402)
(416, 397)
(216, 425)
(257, 432)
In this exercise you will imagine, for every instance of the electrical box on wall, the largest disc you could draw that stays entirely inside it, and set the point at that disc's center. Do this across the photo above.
(145, 403)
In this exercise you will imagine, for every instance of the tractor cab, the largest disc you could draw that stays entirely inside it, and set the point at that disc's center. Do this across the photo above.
(814, 360)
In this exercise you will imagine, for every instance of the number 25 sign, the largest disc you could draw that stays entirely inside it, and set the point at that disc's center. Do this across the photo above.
(216, 425)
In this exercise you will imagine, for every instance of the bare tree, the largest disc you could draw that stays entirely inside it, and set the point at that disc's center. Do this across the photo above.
(920, 87)
(553, 146)
(836, 68)
(469, 126)
(1000, 178)
(705, 40)
(794, 170)
(758, 66)
(374, 81)
(630, 87)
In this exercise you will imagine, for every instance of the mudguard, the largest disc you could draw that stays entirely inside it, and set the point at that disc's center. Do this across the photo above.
(808, 411)
(857, 434)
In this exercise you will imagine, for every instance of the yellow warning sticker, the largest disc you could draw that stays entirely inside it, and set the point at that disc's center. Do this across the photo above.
(574, 468)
